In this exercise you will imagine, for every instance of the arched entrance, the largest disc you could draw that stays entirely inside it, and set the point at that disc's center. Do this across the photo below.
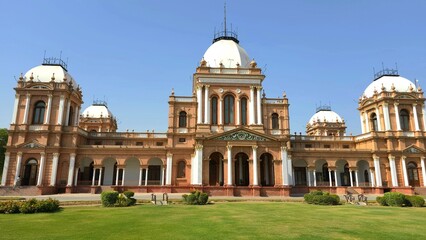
(132, 170)
(30, 173)
(343, 175)
(85, 173)
(321, 172)
(299, 167)
(155, 169)
(363, 173)
(216, 169)
(267, 170)
(109, 169)
(413, 174)
(242, 177)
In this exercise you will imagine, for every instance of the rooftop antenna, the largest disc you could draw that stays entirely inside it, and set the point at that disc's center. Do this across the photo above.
(44, 57)
(374, 72)
(60, 55)
(224, 21)
(383, 67)
(396, 66)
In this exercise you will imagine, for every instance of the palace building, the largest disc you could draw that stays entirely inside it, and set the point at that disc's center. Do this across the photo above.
(227, 139)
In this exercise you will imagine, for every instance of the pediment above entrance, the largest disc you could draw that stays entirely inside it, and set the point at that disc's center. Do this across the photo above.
(33, 144)
(413, 149)
(242, 135)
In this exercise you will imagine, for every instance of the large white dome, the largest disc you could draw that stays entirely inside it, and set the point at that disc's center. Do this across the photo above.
(97, 111)
(227, 52)
(388, 82)
(325, 116)
(44, 73)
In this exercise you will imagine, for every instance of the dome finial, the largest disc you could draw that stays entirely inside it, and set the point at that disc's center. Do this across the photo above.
(253, 63)
(52, 79)
(31, 77)
(411, 88)
(21, 77)
(383, 88)
(203, 62)
(393, 87)
(173, 92)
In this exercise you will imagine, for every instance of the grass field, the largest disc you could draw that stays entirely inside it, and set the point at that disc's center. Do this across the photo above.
(239, 220)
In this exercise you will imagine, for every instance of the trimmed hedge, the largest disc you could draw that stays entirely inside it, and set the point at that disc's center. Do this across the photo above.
(396, 199)
(29, 206)
(196, 198)
(114, 199)
(321, 198)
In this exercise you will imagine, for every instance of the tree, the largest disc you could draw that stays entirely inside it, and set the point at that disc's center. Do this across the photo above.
(3, 143)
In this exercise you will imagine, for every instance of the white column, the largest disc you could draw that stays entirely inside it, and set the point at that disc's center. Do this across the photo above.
(76, 115)
(284, 166)
(351, 178)
(169, 169)
(67, 122)
(197, 165)
(335, 178)
(117, 172)
(220, 113)
(422, 162)
(315, 178)
(27, 109)
(76, 176)
(237, 111)
(373, 183)
(259, 109)
(291, 180)
(356, 178)
(255, 172)
(377, 171)
(308, 173)
(163, 170)
(229, 147)
(386, 116)
(362, 124)
(100, 177)
(206, 105)
(329, 177)
(140, 177)
(71, 170)
(54, 169)
(393, 170)
(15, 109)
(424, 117)
(199, 105)
(93, 178)
(416, 118)
(61, 110)
(41, 168)
(48, 110)
(5, 168)
(251, 106)
(404, 171)
(367, 122)
(124, 175)
(379, 120)
(398, 124)
(146, 176)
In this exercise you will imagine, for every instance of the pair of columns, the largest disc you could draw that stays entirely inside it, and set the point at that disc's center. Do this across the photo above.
(46, 120)
(207, 109)
(255, 166)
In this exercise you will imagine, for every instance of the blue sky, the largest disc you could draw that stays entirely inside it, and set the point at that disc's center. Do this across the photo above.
(132, 53)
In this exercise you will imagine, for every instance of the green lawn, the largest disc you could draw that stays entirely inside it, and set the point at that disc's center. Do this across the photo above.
(239, 220)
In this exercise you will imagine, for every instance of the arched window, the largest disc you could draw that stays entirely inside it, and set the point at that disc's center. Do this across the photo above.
(70, 117)
(38, 114)
(373, 119)
(181, 169)
(404, 119)
(325, 172)
(182, 119)
(275, 123)
(366, 178)
(214, 110)
(243, 111)
(229, 110)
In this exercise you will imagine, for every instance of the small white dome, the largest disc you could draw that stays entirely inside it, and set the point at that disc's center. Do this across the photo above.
(401, 85)
(97, 111)
(44, 73)
(227, 52)
(325, 116)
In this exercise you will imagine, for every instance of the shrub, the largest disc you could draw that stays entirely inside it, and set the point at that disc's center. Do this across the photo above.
(29, 206)
(196, 198)
(128, 194)
(415, 201)
(48, 205)
(109, 198)
(321, 198)
(395, 199)
(381, 201)
(9, 207)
